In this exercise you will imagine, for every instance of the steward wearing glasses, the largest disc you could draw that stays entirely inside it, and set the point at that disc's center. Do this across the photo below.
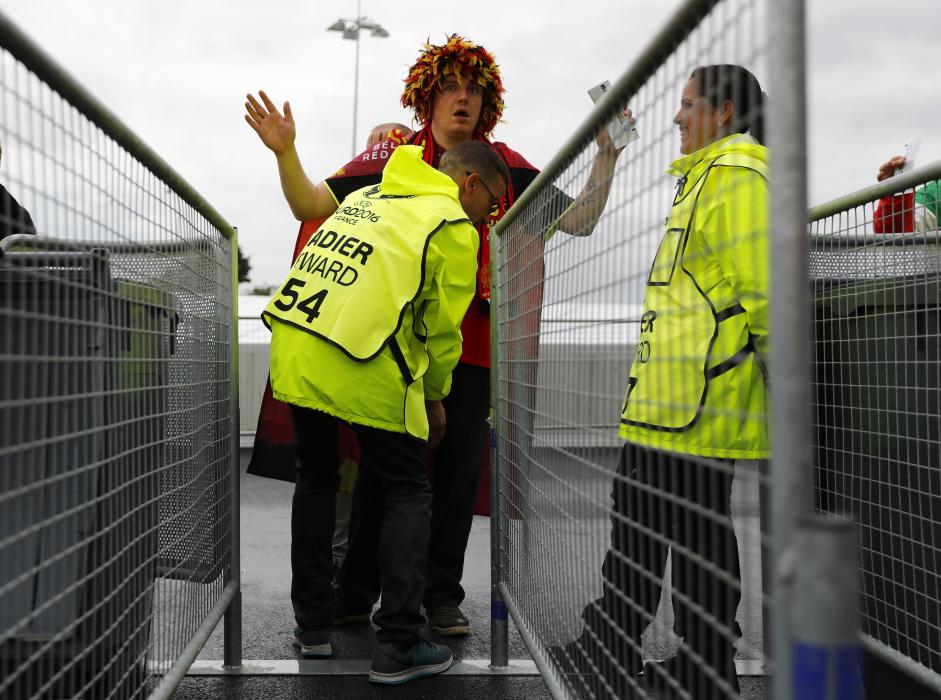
(366, 330)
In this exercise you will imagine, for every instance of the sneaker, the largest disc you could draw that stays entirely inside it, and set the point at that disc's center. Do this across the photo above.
(344, 615)
(448, 621)
(391, 665)
(312, 643)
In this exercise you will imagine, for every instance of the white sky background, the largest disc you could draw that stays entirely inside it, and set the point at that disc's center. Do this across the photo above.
(176, 71)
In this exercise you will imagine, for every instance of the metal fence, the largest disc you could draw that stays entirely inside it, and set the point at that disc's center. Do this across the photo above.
(641, 563)
(118, 401)
(254, 356)
(875, 265)
(608, 556)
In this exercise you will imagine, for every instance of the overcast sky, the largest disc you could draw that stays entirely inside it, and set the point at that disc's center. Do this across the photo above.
(176, 72)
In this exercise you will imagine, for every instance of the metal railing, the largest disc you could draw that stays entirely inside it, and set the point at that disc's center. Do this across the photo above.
(875, 264)
(119, 518)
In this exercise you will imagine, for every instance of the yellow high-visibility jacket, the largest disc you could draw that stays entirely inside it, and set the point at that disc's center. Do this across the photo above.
(366, 326)
(698, 379)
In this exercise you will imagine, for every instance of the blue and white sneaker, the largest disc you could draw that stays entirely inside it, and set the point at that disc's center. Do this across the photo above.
(390, 665)
(314, 644)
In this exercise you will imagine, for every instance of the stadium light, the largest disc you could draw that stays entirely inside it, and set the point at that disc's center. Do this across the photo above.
(351, 29)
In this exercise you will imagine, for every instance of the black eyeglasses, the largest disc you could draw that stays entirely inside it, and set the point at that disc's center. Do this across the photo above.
(494, 200)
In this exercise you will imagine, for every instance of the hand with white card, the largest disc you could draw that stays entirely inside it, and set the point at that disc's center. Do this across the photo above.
(900, 164)
(911, 153)
(580, 218)
(622, 130)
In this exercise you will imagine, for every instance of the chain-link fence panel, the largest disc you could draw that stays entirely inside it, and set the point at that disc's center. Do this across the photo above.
(875, 267)
(116, 396)
(630, 389)
(254, 356)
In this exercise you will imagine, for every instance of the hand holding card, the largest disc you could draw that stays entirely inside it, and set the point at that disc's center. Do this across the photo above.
(621, 130)
(911, 153)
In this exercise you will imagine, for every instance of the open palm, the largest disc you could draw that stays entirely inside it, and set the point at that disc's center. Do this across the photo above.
(277, 132)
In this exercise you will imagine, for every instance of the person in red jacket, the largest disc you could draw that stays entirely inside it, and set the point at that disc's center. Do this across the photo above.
(456, 93)
(911, 211)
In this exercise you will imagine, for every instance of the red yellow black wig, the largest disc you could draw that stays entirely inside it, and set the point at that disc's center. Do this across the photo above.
(467, 61)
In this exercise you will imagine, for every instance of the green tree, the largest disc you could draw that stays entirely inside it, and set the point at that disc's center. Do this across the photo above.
(244, 266)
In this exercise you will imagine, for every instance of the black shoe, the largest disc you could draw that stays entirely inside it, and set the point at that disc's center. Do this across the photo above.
(448, 621)
(314, 644)
(392, 665)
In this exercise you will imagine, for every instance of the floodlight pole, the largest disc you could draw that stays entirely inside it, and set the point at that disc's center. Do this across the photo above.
(351, 29)
(355, 86)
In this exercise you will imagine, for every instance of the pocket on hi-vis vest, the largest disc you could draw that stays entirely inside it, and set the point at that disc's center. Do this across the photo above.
(664, 395)
(664, 264)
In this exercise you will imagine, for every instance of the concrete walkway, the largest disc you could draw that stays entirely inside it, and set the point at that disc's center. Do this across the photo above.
(268, 619)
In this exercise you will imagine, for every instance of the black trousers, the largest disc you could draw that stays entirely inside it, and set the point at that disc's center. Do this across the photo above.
(663, 499)
(454, 486)
(393, 464)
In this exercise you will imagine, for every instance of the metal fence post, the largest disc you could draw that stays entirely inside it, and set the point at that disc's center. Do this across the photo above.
(824, 611)
(499, 622)
(792, 438)
(233, 614)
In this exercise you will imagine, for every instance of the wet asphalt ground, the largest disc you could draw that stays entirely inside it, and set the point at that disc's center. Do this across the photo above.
(268, 620)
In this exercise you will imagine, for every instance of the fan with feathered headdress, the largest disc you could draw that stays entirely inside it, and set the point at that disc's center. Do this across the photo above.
(467, 61)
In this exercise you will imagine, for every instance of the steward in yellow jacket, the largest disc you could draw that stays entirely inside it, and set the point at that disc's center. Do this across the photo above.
(695, 402)
(367, 325)
(366, 329)
(697, 381)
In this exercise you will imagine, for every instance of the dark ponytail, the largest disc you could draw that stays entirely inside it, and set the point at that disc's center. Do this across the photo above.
(732, 83)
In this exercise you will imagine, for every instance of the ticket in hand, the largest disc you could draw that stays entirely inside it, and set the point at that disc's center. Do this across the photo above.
(911, 153)
(621, 131)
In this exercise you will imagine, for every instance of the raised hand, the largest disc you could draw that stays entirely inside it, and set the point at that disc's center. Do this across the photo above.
(887, 169)
(603, 140)
(275, 131)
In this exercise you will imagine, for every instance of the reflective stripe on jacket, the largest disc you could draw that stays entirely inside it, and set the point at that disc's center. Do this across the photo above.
(697, 381)
(366, 326)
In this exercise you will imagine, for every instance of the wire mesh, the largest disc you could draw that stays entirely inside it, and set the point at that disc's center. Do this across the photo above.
(877, 319)
(619, 549)
(254, 354)
(115, 405)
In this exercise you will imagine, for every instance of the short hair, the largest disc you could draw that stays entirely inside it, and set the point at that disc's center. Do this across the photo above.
(477, 156)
